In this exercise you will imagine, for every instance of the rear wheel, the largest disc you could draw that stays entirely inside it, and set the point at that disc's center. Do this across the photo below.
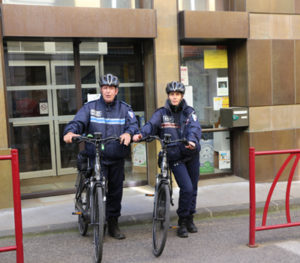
(161, 219)
(99, 221)
(82, 202)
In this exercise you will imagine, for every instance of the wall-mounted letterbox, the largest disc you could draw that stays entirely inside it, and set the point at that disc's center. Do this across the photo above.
(234, 117)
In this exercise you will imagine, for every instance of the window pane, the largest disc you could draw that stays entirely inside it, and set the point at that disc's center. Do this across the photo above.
(124, 61)
(65, 101)
(204, 82)
(26, 76)
(33, 143)
(208, 81)
(31, 103)
(133, 96)
(68, 151)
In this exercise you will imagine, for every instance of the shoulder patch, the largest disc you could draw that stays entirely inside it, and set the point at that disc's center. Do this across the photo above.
(131, 114)
(194, 116)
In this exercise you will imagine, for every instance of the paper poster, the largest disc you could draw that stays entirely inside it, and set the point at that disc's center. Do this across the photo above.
(222, 87)
(91, 97)
(220, 102)
(224, 159)
(44, 108)
(206, 156)
(139, 155)
(184, 76)
(215, 58)
(188, 95)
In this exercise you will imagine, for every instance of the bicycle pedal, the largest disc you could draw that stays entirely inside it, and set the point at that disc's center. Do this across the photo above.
(149, 195)
(76, 213)
(173, 227)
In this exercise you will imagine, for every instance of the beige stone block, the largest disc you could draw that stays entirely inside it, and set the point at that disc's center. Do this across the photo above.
(271, 6)
(282, 117)
(281, 27)
(295, 115)
(260, 119)
(259, 25)
(295, 29)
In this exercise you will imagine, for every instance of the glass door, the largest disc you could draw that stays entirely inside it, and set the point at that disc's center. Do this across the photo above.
(41, 101)
(64, 102)
(30, 117)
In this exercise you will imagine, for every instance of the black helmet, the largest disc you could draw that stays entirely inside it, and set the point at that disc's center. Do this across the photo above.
(175, 86)
(109, 80)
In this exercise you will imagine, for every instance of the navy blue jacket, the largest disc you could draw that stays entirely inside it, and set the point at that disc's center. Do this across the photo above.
(111, 119)
(183, 124)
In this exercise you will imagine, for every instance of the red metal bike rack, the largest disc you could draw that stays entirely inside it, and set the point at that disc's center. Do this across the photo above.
(14, 157)
(252, 214)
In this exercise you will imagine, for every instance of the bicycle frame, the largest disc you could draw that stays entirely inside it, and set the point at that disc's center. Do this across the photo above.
(92, 209)
(163, 196)
(97, 179)
(165, 171)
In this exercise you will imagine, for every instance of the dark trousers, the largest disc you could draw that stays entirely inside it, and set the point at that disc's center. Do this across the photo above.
(114, 174)
(187, 175)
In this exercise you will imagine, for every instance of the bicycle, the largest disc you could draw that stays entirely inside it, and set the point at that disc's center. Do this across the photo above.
(163, 195)
(90, 197)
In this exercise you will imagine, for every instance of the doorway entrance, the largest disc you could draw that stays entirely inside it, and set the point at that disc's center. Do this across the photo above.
(41, 100)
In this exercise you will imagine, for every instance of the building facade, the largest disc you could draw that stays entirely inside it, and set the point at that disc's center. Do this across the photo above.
(228, 53)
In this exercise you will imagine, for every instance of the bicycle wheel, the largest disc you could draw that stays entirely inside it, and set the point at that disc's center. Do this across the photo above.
(161, 219)
(99, 220)
(82, 201)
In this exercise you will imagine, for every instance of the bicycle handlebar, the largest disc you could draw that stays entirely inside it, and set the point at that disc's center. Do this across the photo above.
(165, 141)
(94, 140)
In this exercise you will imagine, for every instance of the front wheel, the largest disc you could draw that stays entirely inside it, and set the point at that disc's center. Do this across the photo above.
(82, 201)
(161, 219)
(99, 221)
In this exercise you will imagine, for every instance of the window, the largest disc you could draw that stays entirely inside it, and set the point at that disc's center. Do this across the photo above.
(204, 71)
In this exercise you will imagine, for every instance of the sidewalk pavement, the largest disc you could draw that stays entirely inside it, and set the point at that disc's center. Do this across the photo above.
(222, 196)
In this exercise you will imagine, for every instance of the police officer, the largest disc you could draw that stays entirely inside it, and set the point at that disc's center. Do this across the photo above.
(179, 120)
(111, 117)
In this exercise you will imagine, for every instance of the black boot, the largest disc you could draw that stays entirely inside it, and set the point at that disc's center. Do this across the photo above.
(190, 224)
(182, 230)
(113, 228)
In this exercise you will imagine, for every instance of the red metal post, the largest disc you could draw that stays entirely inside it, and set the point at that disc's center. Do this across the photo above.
(252, 199)
(17, 205)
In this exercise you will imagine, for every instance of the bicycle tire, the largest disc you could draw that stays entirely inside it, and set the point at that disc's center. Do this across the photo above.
(99, 221)
(82, 201)
(161, 219)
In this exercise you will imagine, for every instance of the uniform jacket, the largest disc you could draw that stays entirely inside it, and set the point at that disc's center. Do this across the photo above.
(183, 124)
(111, 119)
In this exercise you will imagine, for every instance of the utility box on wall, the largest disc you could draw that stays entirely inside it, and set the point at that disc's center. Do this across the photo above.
(234, 117)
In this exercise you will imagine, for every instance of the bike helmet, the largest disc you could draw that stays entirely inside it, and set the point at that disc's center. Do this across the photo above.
(109, 80)
(175, 86)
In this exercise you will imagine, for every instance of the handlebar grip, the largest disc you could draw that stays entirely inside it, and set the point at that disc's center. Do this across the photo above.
(185, 142)
(76, 139)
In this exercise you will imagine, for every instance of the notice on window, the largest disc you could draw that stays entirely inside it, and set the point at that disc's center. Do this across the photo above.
(188, 95)
(222, 87)
(91, 97)
(139, 157)
(215, 59)
(221, 102)
(224, 159)
(184, 76)
(44, 108)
